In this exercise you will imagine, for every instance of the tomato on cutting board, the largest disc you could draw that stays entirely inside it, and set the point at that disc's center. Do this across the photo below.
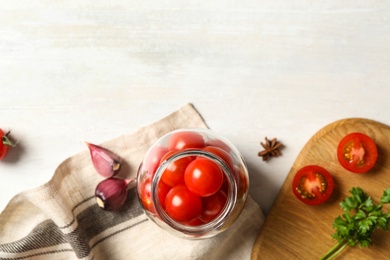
(313, 185)
(357, 153)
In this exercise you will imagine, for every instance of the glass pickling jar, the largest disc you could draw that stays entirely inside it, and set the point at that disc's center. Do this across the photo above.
(193, 183)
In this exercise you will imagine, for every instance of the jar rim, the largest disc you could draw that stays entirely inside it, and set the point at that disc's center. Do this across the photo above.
(218, 221)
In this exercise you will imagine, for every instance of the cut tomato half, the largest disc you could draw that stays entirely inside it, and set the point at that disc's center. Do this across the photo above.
(357, 153)
(313, 185)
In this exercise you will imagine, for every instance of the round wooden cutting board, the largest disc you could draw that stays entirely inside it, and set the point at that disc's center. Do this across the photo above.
(294, 230)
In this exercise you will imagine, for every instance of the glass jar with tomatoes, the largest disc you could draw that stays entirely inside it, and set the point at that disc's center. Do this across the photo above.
(193, 183)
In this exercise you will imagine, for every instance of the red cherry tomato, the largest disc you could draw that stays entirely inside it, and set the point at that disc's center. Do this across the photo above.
(243, 182)
(145, 191)
(218, 143)
(212, 206)
(162, 191)
(184, 140)
(152, 161)
(203, 177)
(222, 154)
(5, 143)
(174, 173)
(313, 185)
(357, 153)
(167, 155)
(182, 205)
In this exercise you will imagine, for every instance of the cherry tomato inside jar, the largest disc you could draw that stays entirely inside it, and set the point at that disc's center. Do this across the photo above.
(221, 154)
(182, 205)
(174, 173)
(357, 153)
(152, 161)
(212, 206)
(185, 140)
(145, 191)
(313, 185)
(203, 177)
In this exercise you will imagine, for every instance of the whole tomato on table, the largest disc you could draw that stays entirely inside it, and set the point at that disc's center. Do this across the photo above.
(5, 144)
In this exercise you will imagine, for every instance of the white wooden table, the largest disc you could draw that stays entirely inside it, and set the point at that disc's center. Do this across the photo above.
(74, 71)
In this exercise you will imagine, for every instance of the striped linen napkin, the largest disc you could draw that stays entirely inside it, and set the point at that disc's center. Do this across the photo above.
(61, 220)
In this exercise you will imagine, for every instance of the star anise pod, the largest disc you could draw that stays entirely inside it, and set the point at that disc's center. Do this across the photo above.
(271, 149)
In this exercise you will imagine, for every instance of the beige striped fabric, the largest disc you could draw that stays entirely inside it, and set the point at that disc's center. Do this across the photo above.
(60, 220)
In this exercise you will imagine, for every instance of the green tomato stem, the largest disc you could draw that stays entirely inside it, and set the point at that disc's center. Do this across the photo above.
(7, 141)
(334, 251)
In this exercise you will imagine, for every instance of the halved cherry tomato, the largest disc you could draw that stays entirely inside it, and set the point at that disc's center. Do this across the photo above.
(212, 206)
(357, 153)
(174, 173)
(184, 140)
(182, 205)
(203, 177)
(313, 185)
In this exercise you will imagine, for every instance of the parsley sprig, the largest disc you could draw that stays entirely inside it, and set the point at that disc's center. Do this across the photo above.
(361, 218)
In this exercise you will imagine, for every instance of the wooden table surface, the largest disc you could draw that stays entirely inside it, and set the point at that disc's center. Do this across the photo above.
(74, 71)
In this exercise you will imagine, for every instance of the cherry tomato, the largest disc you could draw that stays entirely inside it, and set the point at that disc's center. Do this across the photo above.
(203, 177)
(174, 173)
(222, 154)
(182, 205)
(212, 206)
(5, 143)
(357, 153)
(225, 186)
(145, 191)
(152, 161)
(243, 182)
(184, 140)
(313, 185)
(146, 194)
(162, 191)
(167, 155)
(218, 143)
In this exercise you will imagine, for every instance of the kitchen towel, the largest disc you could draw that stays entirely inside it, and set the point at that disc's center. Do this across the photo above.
(61, 220)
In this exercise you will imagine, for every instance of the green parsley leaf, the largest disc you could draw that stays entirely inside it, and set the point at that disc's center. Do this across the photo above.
(386, 197)
(360, 219)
